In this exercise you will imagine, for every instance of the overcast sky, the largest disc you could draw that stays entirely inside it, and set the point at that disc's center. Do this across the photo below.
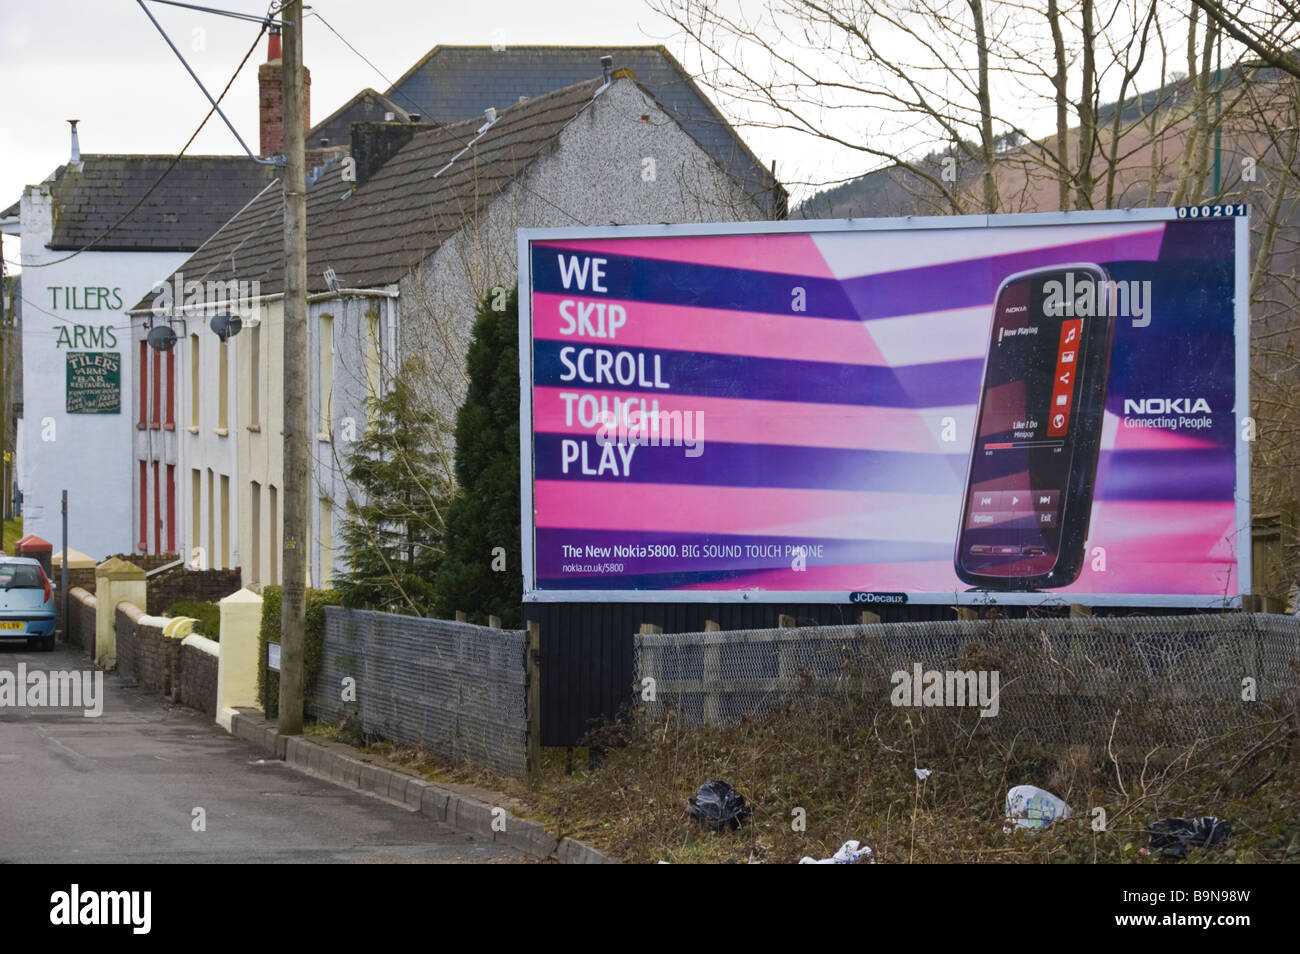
(102, 62)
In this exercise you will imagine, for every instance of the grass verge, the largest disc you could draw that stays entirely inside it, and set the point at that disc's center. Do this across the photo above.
(835, 767)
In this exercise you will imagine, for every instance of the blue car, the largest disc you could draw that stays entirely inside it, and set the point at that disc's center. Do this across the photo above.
(26, 604)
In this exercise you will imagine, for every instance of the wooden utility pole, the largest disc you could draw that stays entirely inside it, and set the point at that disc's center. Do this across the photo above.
(297, 464)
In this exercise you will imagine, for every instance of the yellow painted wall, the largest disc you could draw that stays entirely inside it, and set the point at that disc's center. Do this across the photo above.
(261, 448)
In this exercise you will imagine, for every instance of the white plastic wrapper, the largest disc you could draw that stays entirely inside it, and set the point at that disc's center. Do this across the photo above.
(1031, 807)
(850, 853)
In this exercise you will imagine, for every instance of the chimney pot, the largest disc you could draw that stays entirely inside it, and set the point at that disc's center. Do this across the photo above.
(271, 99)
(76, 146)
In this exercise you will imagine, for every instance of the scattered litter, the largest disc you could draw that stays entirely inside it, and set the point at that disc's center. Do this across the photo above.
(1173, 836)
(850, 853)
(1031, 807)
(923, 774)
(717, 806)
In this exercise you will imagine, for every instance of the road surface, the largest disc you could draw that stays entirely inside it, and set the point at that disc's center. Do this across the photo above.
(123, 787)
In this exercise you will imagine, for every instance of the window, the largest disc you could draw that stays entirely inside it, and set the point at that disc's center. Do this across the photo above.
(255, 376)
(21, 576)
(144, 385)
(144, 508)
(326, 349)
(223, 383)
(225, 522)
(274, 524)
(326, 542)
(196, 502)
(157, 510)
(255, 545)
(212, 521)
(372, 355)
(169, 408)
(194, 382)
(155, 419)
(171, 508)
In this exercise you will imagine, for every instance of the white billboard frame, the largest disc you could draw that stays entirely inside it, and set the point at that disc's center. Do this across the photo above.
(1241, 407)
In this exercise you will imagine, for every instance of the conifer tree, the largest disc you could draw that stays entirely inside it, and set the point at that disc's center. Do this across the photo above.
(399, 488)
(480, 573)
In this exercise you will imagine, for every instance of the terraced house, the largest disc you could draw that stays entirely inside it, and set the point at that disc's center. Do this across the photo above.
(407, 232)
(95, 236)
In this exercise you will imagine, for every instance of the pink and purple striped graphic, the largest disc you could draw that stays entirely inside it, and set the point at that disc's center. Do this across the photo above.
(826, 385)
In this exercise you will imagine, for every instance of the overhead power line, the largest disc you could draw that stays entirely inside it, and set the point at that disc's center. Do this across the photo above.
(166, 172)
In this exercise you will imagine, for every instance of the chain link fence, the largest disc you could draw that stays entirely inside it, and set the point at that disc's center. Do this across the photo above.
(453, 689)
(1128, 680)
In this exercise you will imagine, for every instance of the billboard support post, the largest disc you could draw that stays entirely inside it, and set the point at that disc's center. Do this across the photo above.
(533, 705)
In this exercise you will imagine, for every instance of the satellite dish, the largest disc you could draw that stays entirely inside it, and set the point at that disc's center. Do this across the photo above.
(161, 338)
(225, 326)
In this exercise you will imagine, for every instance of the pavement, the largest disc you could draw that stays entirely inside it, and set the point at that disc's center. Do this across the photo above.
(124, 787)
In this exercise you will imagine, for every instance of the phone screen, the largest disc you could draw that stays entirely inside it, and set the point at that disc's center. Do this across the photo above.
(1040, 402)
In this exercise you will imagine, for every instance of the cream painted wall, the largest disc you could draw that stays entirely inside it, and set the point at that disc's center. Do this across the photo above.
(261, 444)
(206, 447)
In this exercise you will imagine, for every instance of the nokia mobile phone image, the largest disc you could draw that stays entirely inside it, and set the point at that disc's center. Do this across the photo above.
(1028, 497)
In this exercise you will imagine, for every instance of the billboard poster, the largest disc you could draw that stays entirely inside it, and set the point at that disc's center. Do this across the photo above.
(1020, 409)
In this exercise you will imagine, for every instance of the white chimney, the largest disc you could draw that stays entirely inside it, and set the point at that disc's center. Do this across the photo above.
(76, 146)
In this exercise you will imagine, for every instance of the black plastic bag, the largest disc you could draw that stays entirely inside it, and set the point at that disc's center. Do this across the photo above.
(717, 806)
(1173, 836)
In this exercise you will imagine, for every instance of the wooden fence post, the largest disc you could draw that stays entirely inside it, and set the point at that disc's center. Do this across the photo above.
(867, 617)
(1267, 565)
(533, 705)
(494, 622)
(462, 616)
(712, 676)
(785, 668)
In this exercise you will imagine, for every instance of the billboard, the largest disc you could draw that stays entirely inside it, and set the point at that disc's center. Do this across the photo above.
(1020, 409)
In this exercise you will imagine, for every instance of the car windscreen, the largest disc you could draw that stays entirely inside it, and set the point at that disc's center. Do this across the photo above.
(21, 576)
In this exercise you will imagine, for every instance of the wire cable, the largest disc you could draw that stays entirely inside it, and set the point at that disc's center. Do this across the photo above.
(166, 172)
(441, 126)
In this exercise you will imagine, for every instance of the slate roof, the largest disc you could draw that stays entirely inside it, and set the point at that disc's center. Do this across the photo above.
(366, 106)
(376, 233)
(454, 83)
(195, 199)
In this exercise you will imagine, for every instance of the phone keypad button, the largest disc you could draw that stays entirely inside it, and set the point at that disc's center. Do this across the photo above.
(1047, 499)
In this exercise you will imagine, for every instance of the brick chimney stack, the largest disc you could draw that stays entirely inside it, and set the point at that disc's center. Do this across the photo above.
(271, 101)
